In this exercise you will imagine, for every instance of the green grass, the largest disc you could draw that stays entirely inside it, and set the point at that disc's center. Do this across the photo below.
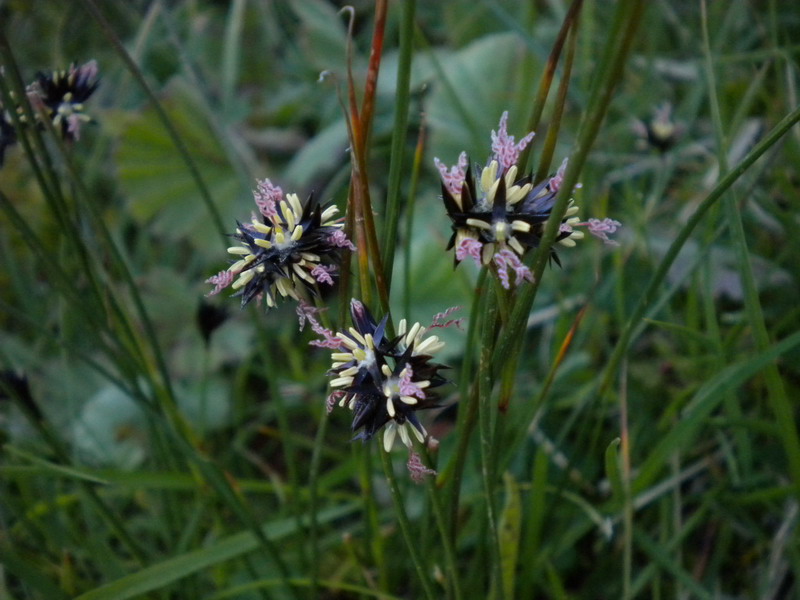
(626, 427)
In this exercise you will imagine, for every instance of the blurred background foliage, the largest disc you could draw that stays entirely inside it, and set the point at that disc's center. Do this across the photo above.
(715, 516)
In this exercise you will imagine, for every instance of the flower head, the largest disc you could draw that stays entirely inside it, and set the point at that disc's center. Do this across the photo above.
(383, 380)
(502, 216)
(289, 251)
(63, 93)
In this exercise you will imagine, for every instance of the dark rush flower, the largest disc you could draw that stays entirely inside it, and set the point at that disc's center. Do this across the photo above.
(289, 251)
(499, 218)
(63, 94)
(385, 381)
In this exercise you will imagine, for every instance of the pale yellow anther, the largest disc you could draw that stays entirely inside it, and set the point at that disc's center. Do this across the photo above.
(297, 208)
(511, 174)
(280, 238)
(430, 345)
(386, 370)
(329, 213)
(261, 227)
(521, 226)
(413, 332)
(345, 356)
(389, 434)
(354, 332)
(347, 341)
(390, 407)
(288, 215)
(493, 190)
(263, 243)
(514, 243)
(238, 250)
(297, 233)
(409, 400)
(303, 274)
(243, 279)
(341, 381)
(488, 176)
(517, 193)
(477, 223)
(401, 327)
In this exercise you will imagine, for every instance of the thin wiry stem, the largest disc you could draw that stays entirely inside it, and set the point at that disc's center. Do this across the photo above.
(398, 138)
(405, 525)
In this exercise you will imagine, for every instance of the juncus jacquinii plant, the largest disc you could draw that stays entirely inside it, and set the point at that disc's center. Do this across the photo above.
(383, 380)
(288, 252)
(60, 96)
(499, 220)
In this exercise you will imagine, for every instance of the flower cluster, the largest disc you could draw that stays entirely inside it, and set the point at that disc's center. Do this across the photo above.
(288, 251)
(503, 216)
(383, 380)
(61, 96)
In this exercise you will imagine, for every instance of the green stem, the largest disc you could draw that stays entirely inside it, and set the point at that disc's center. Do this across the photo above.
(405, 525)
(486, 414)
(398, 138)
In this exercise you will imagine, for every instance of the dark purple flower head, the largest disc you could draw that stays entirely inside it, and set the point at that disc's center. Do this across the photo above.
(63, 94)
(385, 381)
(289, 251)
(502, 214)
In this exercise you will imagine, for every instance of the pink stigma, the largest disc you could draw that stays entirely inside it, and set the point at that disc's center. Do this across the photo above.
(505, 150)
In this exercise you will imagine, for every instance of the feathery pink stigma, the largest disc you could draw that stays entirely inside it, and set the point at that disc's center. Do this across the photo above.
(416, 469)
(408, 387)
(267, 197)
(334, 399)
(469, 247)
(505, 150)
(339, 239)
(439, 317)
(306, 312)
(322, 273)
(221, 280)
(505, 259)
(454, 177)
(602, 228)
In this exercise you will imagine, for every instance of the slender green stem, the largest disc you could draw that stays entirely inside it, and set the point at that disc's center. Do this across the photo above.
(450, 557)
(405, 525)
(313, 486)
(468, 407)
(486, 420)
(399, 136)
